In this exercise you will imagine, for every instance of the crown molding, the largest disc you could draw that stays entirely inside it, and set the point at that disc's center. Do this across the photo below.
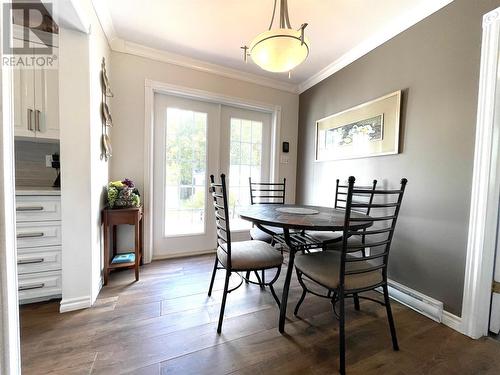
(399, 25)
(393, 29)
(124, 46)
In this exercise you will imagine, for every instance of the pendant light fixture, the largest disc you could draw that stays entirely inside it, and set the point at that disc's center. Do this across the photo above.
(280, 49)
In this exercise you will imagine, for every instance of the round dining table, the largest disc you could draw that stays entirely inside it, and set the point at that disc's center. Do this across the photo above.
(297, 218)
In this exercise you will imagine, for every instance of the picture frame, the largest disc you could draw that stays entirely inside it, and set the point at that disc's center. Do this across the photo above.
(366, 130)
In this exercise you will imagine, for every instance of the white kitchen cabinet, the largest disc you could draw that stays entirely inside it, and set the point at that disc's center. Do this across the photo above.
(39, 252)
(31, 208)
(49, 104)
(24, 102)
(36, 103)
(39, 286)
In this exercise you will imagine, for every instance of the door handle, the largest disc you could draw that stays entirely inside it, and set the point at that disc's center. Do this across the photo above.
(30, 118)
(30, 261)
(32, 286)
(37, 120)
(29, 208)
(29, 235)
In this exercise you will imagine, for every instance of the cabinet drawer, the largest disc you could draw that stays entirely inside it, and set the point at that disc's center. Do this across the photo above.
(38, 208)
(38, 259)
(39, 285)
(38, 234)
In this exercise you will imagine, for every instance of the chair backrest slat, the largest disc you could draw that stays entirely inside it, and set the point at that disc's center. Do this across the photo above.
(363, 197)
(267, 192)
(219, 195)
(383, 209)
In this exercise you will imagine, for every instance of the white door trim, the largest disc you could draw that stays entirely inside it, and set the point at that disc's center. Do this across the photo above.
(485, 189)
(151, 87)
(10, 362)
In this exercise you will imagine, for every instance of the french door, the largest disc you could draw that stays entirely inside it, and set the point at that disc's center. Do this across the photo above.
(246, 151)
(193, 139)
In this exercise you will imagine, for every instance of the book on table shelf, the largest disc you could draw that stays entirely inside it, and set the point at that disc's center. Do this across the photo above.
(123, 258)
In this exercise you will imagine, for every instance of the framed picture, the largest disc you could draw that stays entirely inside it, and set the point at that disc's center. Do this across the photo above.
(369, 129)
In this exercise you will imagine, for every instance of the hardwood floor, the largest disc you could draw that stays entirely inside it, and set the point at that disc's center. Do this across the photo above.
(166, 324)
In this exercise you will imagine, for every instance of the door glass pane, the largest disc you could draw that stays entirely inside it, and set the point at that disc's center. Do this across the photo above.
(185, 182)
(245, 162)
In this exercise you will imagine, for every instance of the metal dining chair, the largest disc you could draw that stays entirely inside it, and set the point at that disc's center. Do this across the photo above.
(309, 241)
(236, 257)
(351, 271)
(268, 193)
(327, 238)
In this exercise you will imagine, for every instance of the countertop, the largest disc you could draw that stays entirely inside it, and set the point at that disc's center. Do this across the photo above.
(37, 190)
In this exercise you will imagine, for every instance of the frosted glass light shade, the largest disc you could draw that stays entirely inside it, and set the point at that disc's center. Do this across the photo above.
(279, 50)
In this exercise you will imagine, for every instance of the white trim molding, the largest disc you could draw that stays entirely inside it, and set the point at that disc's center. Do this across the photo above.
(10, 357)
(485, 189)
(392, 29)
(183, 254)
(423, 304)
(452, 321)
(72, 304)
(124, 46)
(151, 87)
(399, 25)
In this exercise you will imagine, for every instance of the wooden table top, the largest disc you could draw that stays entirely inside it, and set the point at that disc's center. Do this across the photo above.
(326, 219)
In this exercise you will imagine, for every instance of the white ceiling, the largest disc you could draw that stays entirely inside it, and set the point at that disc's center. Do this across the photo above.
(214, 30)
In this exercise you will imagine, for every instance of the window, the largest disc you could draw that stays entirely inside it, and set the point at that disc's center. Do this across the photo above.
(245, 161)
(185, 172)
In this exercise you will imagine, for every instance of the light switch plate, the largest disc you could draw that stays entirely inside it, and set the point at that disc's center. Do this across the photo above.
(48, 161)
(284, 159)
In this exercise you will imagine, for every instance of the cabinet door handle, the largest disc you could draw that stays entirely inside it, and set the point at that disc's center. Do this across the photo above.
(29, 235)
(29, 208)
(30, 261)
(30, 117)
(31, 286)
(37, 120)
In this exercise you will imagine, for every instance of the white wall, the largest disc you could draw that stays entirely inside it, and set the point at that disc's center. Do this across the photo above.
(99, 168)
(74, 120)
(129, 73)
(83, 174)
(9, 313)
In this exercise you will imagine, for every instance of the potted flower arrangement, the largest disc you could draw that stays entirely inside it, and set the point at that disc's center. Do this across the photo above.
(123, 194)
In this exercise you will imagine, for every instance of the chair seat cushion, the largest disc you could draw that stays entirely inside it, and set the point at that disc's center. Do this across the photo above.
(324, 268)
(250, 255)
(260, 235)
(322, 236)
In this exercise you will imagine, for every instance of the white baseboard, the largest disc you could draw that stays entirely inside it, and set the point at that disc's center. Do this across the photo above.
(417, 301)
(71, 304)
(182, 254)
(453, 321)
(97, 290)
(424, 305)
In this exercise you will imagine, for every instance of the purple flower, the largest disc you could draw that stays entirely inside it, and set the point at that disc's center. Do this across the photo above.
(128, 182)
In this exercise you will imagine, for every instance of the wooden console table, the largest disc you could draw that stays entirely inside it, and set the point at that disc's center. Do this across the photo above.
(110, 219)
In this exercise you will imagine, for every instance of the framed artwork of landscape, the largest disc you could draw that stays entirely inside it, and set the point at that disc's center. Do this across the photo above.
(369, 129)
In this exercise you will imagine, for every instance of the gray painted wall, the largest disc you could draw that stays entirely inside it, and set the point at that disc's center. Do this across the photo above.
(436, 64)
